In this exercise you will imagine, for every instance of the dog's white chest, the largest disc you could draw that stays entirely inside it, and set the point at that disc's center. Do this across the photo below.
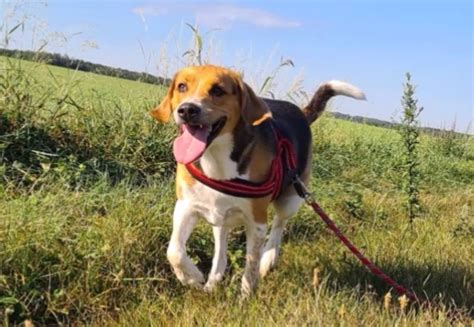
(217, 208)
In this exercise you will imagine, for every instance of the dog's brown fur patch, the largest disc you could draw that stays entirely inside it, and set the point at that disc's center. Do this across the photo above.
(182, 177)
(260, 164)
(318, 103)
(260, 208)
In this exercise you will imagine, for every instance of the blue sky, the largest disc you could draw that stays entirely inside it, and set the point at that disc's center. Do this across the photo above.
(368, 43)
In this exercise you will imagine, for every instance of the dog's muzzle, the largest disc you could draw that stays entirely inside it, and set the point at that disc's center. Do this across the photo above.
(188, 112)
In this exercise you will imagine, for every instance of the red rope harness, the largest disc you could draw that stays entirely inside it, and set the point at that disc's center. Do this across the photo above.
(285, 159)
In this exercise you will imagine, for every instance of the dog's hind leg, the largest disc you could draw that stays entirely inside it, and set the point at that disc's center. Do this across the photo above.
(285, 207)
(219, 262)
(184, 221)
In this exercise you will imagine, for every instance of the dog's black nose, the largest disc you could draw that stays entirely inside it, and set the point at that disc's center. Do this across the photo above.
(188, 111)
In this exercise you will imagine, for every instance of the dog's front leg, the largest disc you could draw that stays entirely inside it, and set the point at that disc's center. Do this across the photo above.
(255, 238)
(219, 262)
(184, 221)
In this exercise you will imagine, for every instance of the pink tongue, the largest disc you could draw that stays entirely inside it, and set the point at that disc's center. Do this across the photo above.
(190, 145)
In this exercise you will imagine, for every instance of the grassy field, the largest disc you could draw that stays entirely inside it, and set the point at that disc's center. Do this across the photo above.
(86, 197)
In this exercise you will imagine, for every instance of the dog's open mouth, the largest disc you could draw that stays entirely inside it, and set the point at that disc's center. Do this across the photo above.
(193, 140)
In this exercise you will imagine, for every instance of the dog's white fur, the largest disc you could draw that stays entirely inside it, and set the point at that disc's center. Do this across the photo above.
(343, 88)
(224, 212)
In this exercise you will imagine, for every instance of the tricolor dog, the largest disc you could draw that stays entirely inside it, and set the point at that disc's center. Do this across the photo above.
(229, 132)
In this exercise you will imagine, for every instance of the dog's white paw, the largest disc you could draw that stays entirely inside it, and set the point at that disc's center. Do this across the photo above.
(268, 261)
(194, 279)
(210, 287)
(212, 282)
(247, 288)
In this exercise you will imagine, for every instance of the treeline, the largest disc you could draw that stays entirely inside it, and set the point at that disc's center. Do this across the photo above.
(387, 124)
(60, 60)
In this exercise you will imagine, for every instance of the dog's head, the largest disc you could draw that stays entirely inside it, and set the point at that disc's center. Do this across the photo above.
(207, 101)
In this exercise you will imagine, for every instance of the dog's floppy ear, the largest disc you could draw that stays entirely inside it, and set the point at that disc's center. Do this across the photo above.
(162, 113)
(254, 109)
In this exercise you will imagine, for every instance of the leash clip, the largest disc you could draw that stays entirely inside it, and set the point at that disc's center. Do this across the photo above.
(301, 189)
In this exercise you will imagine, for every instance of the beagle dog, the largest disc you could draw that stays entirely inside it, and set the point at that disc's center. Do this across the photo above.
(224, 127)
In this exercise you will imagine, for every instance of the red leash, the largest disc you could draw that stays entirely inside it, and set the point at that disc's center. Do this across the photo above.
(285, 163)
(304, 193)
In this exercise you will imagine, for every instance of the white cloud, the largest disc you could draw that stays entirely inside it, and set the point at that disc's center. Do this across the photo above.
(219, 15)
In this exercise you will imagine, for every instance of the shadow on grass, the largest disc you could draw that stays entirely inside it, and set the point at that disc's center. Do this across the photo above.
(26, 149)
(450, 285)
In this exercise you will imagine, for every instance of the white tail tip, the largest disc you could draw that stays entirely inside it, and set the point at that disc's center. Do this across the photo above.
(343, 88)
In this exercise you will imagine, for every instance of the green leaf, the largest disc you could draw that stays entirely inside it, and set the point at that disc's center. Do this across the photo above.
(8, 300)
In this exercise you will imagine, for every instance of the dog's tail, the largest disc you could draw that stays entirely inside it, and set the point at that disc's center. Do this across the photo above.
(325, 92)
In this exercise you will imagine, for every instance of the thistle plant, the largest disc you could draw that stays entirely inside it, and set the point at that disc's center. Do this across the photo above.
(410, 162)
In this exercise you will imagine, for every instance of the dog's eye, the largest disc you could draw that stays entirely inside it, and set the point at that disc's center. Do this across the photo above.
(216, 91)
(182, 87)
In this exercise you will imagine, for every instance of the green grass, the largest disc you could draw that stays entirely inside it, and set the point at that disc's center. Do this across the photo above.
(86, 198)
(83, 84)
